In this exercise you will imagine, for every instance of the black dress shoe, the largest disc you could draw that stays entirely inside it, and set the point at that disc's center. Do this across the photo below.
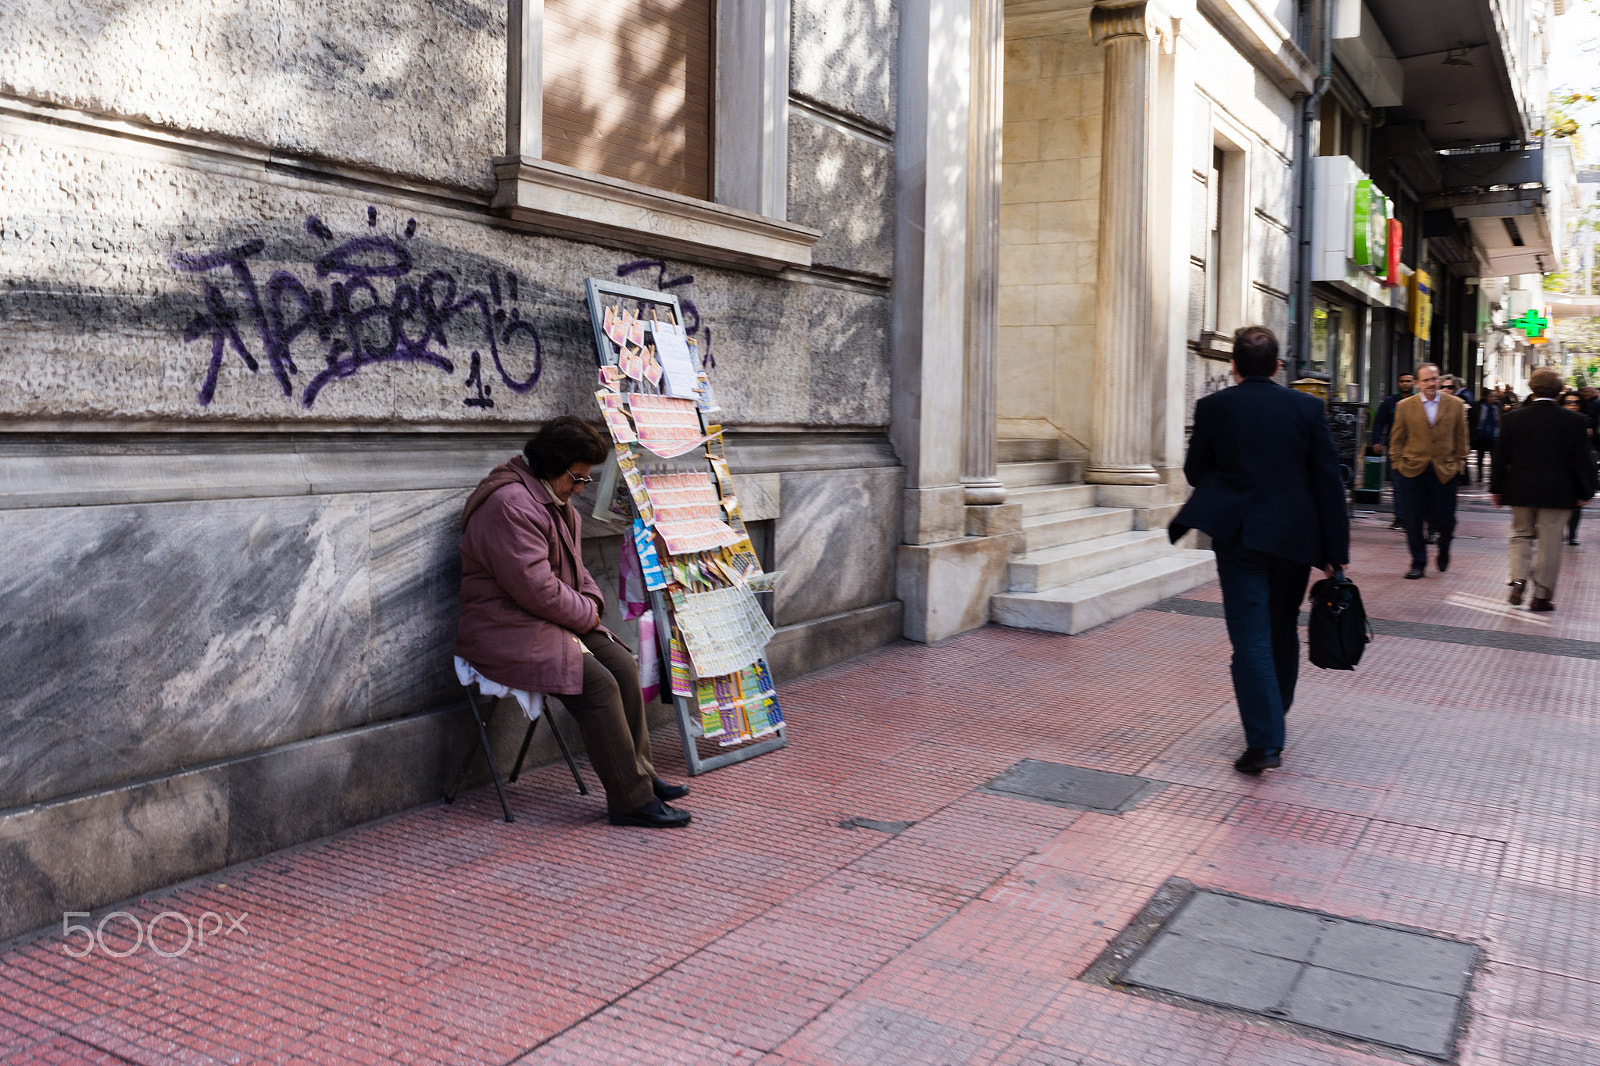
(1517, 589)
(1397, 524)
(1541, 604)
(665, 791)
(1255, 760)
(1444, 559)
(653, 815)
(1414, 573)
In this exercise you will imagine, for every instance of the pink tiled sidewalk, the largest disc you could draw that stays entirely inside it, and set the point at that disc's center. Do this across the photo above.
(1444, 786)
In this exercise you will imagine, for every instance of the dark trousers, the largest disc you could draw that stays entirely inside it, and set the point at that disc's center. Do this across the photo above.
(1394, 495)
(610, 713)
(1429, 502)
(1261, 596)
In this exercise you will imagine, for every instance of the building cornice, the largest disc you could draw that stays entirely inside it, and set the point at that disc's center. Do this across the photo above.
(1262, 40)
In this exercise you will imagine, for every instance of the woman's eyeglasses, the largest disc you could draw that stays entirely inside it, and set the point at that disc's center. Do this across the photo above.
(576, 480)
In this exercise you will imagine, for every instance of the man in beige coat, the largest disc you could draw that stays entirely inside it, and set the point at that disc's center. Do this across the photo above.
(1428, 449)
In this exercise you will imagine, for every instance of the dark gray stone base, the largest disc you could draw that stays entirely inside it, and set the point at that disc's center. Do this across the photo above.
(807, 646)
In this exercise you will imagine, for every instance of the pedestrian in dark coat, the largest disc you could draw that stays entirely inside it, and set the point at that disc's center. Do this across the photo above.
(1267, 489)
(1542, 469)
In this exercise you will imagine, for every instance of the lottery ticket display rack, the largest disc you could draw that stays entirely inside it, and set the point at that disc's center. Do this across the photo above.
(668, 482)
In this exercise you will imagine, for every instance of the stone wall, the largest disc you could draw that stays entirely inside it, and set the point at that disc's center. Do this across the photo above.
(1237, 100)
(1049, 223)
(228, 618)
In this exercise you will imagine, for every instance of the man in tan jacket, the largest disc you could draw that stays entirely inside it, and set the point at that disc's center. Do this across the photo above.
(1428, 449)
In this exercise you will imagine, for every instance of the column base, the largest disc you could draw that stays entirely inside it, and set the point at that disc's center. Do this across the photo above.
(946, 587)
(1141, 474)
(983, 492)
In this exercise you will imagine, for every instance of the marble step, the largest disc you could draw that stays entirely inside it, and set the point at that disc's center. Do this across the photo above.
(1026, 449)
(1087, 603)
(1066, 563)
(1156, 517)
(1039, 472)
(1039, 500)
(1071, 527)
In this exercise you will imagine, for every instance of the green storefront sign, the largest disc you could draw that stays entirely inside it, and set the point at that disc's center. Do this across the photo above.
(1370, 240)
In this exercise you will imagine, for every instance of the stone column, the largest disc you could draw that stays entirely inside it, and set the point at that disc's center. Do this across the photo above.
(1119, 451)
(983, 488)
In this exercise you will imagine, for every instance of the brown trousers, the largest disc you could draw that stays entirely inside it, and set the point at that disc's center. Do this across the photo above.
(1537, 527)
(610, 712)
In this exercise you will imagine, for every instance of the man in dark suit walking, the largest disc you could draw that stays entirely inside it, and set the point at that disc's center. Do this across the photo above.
(1543, 469)
(1267, 489)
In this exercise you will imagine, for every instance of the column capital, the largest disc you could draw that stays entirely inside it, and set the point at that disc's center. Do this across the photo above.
(1122, 18)
(1133, 18)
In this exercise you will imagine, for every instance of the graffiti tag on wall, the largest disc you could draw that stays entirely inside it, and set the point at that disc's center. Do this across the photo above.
(361, 304)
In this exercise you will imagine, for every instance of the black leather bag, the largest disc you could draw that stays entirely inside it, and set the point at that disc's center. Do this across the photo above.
(1339, 631)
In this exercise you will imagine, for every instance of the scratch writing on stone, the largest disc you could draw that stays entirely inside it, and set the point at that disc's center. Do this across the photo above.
(362, 308)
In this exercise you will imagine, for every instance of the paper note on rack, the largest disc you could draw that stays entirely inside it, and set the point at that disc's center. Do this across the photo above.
(649, 562)
(724, 630)
(681, 373)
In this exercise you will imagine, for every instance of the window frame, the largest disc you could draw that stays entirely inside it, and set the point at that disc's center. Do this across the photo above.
(746, 225)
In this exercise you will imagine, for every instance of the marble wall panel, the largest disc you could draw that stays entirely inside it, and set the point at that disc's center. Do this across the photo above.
(416, 87)
(843, 185)
(850, 372)
(843, 56)
(93, 850)
(145, 637)
(415, 590)
(836, 541)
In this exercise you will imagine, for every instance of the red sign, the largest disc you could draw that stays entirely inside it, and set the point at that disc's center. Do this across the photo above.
(1394, 254)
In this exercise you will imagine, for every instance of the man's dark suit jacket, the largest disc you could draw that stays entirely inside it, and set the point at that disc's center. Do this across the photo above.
(1265, 475)
(1541, 458)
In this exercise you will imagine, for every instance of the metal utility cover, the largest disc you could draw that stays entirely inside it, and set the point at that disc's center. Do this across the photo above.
(1073, 786)
(1398, 987)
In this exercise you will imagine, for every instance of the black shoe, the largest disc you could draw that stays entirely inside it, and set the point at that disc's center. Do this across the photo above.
(1414, 573)
(1255, 760)
(1517, 589)
(665, 791)
(1444, 560)
(1397, 524)
(1541, 604)
(1572, 543)
(653, 815)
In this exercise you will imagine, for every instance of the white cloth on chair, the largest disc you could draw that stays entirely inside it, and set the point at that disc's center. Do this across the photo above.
(532, 702)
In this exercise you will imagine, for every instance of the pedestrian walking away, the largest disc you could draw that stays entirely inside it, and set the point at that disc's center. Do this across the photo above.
(1382, 422)
(1428, 447)
(1267, 490)
(1572, 400)
(1542, 470)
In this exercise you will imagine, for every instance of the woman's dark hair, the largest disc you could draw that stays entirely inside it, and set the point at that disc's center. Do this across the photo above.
(1255, 351)
(561, 442)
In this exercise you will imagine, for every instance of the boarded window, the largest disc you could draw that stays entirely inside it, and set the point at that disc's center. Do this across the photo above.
(628, 90)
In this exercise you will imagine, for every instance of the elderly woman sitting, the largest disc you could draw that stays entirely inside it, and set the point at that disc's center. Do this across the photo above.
(530, 614)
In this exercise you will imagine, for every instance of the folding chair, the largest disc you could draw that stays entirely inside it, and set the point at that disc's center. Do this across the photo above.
(532, 705)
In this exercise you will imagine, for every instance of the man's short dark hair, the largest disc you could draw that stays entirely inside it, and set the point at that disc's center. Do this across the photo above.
(1255, 351)
(1545, 383)
(561, 442)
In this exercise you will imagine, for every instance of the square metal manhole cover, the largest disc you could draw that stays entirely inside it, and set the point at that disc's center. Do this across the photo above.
(1073, 786)
(1400, 988)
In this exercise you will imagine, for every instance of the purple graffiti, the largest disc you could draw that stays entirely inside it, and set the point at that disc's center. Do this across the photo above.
(691, 314)
(368, 312)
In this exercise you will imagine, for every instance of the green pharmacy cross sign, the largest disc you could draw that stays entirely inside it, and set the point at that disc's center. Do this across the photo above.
(1531, 323)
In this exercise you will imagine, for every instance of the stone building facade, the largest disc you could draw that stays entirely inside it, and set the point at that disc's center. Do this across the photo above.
(279, 282)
